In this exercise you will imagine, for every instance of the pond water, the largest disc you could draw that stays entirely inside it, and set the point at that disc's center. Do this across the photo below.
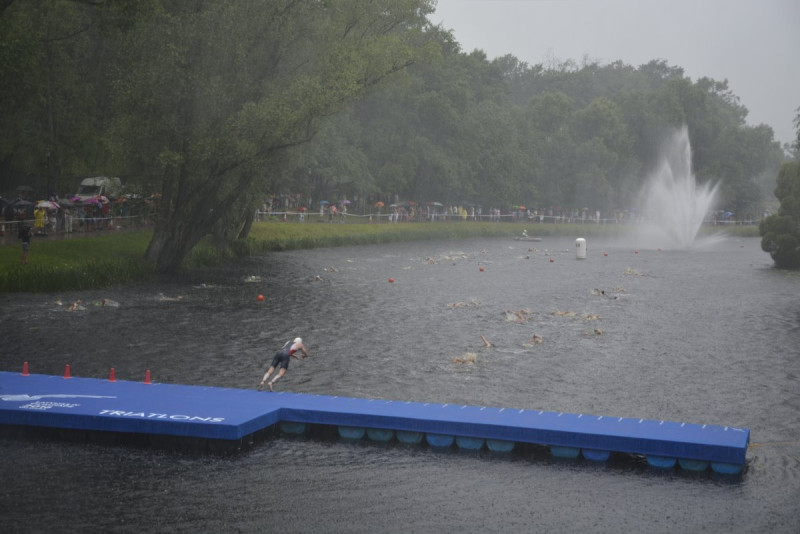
(707, 335)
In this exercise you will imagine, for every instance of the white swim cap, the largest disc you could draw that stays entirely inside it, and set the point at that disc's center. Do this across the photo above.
(298, 340)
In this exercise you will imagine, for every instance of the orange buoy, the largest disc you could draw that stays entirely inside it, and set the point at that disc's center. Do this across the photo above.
(391, 280)
(605, 253)
(260, 298)
(552, 260)
(481, 269)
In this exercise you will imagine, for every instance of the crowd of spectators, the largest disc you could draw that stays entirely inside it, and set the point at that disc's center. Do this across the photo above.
(64, 216)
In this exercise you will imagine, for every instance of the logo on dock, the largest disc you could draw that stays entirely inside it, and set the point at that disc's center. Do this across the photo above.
(36, 402)
(152, 415)
(26, 398)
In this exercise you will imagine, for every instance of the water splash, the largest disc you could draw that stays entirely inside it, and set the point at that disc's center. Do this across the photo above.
(674, 206)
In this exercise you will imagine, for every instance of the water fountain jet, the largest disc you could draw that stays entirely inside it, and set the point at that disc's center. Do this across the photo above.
(674, 206)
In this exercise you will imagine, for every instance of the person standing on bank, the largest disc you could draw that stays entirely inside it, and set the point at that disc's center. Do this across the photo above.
(25, 233)
(281, 361)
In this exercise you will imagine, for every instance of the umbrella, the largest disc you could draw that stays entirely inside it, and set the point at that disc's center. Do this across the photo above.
(323, 202)
(24, 188)
(435, 204)
(379, 204)
(102, 199)
(344, 201)
(47, 204)
(302, 208)
(20, 203)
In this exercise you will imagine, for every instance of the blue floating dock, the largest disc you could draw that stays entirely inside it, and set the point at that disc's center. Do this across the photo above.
(233, 414)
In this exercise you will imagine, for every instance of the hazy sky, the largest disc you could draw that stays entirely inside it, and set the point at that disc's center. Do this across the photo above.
(754, 44)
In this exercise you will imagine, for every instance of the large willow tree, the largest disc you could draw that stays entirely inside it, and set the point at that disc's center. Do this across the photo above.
(206, 93)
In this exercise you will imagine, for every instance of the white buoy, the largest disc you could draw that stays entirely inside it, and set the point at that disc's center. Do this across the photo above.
(580, 249)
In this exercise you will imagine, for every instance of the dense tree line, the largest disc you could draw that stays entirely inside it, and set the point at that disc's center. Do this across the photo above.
(502, 132)
(216, 105)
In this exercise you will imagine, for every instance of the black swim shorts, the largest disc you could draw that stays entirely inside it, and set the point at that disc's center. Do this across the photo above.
(281, 359)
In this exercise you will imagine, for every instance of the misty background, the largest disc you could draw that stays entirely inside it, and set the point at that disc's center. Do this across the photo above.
(751, 44)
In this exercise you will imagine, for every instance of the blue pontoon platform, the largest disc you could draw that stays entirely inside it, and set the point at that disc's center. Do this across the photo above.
(231, 415)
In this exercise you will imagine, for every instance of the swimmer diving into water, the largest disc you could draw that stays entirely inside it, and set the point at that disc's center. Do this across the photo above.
(281, 361)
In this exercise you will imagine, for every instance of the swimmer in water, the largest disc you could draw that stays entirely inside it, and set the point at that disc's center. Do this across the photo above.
(281, 361)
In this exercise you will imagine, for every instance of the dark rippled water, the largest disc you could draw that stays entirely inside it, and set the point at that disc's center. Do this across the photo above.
(710, 335)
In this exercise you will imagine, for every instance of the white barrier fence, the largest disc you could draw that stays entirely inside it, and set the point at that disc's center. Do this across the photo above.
(138, 222)
(379, 217)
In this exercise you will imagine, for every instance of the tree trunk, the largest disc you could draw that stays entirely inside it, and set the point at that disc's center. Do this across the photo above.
(250, 216)
(179, 230)
(170, 245)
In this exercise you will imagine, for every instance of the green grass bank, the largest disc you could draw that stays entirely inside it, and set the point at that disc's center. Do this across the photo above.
(108, 259)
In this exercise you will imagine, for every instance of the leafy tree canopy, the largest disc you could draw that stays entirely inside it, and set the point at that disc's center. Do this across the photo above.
(208, 92)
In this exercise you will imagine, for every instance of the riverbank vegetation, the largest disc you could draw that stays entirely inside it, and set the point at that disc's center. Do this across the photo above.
(780, 233)
(306, 103)
(100, 261)
(80, 263)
